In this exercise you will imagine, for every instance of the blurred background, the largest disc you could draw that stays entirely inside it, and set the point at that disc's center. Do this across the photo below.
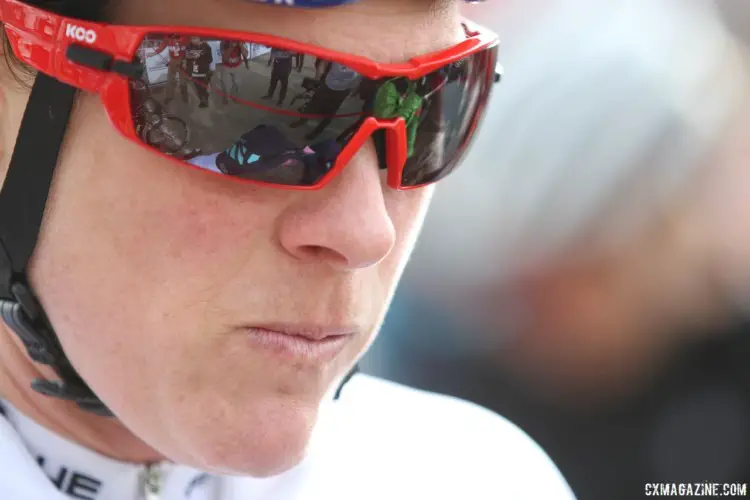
(587, 272)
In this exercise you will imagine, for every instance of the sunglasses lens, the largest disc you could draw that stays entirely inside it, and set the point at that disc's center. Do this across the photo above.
(265, 114)
(245, 110)
(451, 102)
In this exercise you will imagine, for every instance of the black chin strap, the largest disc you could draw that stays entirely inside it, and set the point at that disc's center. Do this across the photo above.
(22, 202)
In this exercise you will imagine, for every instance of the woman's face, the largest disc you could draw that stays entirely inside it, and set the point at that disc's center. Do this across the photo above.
(152, 274)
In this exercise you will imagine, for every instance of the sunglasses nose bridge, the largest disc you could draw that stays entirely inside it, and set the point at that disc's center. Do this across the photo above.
(394, 145)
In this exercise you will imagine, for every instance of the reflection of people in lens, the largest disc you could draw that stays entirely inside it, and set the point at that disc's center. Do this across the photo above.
(337, 85)
(265, 150)
(255, 151)
(281, 60)
(321, 66)
(232, 55)
(197, 67)
(404, 98)
(366, 90)
(176, 45)
(318, 160)
(300, 58)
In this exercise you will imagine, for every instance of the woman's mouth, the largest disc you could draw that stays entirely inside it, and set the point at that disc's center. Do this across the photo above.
(315, 343)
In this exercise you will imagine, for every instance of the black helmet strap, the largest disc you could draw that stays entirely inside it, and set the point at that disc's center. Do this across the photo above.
(22, 202)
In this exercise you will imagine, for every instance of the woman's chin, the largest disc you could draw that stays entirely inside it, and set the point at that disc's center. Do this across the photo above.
(267, 442)
(260, 464)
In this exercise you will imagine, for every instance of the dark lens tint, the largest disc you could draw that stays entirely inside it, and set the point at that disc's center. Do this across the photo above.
(280, 117)
(453, 100)
(244, 109)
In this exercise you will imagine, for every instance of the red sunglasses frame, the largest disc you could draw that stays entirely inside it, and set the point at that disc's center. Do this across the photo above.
(42, 40)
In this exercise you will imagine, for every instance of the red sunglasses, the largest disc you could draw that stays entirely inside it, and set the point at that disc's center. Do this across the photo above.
(208, 98)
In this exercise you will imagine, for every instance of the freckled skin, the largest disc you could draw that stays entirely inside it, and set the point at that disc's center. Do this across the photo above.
(147, 269)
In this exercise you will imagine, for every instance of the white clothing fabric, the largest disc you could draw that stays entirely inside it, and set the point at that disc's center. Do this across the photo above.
(379, 440)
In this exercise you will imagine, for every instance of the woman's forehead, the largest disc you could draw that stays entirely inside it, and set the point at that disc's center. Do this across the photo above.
(385, 30)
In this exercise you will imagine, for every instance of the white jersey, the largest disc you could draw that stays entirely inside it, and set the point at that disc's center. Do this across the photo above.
(379, 440)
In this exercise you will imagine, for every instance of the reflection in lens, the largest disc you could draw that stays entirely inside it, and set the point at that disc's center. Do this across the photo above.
(272, 115)
(452, 101)
(250, 111)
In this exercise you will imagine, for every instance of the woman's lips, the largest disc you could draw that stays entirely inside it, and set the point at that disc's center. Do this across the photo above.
(316, 345)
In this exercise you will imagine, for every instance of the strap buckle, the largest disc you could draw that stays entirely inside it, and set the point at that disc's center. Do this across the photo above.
(23, 315)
